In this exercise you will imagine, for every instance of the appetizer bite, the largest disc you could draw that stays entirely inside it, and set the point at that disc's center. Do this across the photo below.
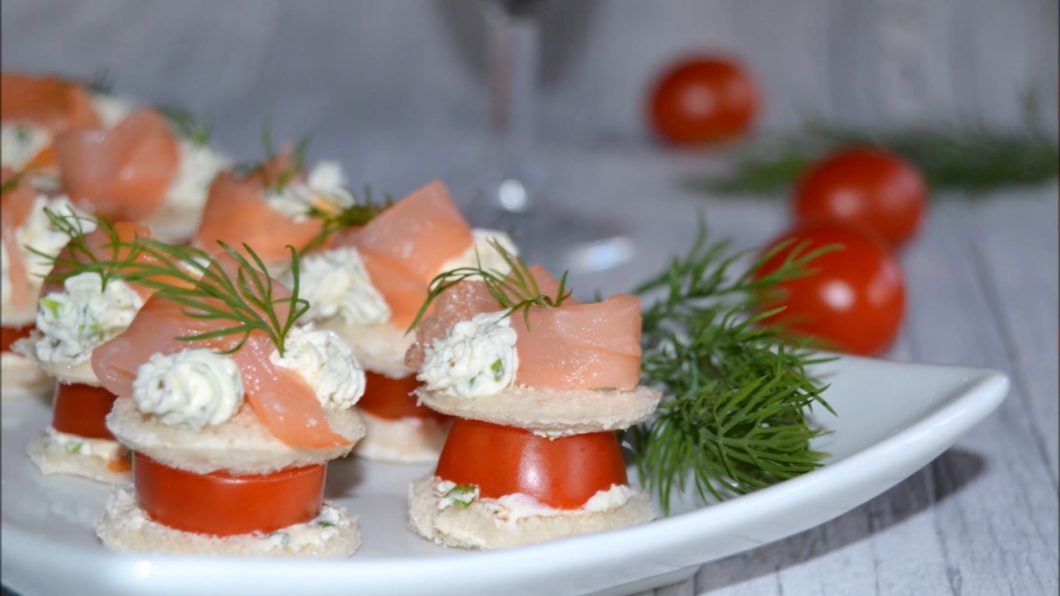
(29, 242)
(537, 383)
(232, 410)
(114, 160)
(365, 272)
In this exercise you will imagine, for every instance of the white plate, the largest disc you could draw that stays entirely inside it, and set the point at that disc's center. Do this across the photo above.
(893, 419)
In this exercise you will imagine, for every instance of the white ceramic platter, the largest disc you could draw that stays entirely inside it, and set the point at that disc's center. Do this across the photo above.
(892, 420)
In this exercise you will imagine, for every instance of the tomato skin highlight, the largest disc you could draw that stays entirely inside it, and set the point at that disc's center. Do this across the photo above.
(82, 410)
(220, 504)
(9, 335)
(864, 187)
(703, 100)
(563, 473)
(856, 299)
(391, 398)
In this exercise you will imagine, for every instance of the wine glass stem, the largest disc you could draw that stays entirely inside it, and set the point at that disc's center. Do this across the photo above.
(513, 69)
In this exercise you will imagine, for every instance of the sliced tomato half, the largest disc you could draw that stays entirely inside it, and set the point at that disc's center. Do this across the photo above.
(562, 473)
(220, 504)
(9, 335)
(82, 410)
(392, 398)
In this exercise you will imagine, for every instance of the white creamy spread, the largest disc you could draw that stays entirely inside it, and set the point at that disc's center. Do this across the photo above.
(511, 508)
(326, 363)
(315, 532)
(335, 282)
(20, 142)
(190, 388)
(450, 494)
(482, 252)
(111, 109)
(199, 164)
(476, 357)
(101, 448)
(75, 321)
(324, 189)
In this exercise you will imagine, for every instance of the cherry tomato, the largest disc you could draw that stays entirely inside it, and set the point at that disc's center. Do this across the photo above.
(220, 504)
(392, 398)
(703, 100)
(82, 410)
(866, 187)
(562, 473)
(855, 300)
(9, 335)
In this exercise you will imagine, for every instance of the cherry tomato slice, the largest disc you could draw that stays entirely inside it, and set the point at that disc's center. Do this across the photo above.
(220, 504)
(563, 473)
(867, 188)
(82, 410)
(9, 335)
(855, 300)
(391, 398)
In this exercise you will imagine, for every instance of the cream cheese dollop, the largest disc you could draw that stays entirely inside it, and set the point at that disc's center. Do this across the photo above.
(324, 188)
(335, 282)
(191, 388)
(326, 363)
(20, 142)
(199, 164)
(476, 357)
(482, 252)
(85, 314)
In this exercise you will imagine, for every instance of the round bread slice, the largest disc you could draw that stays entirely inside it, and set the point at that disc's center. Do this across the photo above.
(404, 440)
(241, 446)
(54, 459)
(21, 378)
(64, 373)
(549, 412)
(378, 348)
(125, 528)
(479, 527)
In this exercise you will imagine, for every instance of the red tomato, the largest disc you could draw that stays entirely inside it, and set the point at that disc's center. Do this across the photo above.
(82, 410)
(391, 398)
(867, 187)
(9, 335)
(563, 473)
(855, 300)
(703, 100)
(221, 504)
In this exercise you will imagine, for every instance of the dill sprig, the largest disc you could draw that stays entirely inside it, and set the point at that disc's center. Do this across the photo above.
(11, 184)
(100, 83)
(972, 159)
(515, 291)
(335, 219)
(185, 124)
(190, 277)
(735, 416)
(271, 152)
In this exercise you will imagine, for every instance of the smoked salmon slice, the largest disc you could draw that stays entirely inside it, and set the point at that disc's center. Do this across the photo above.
(281, 400)
(403, 291)
(237, 211)
(421, 232)
(17, 204)
(122, 173)
(51, 103)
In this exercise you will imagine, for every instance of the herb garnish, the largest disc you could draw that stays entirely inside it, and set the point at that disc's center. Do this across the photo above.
(516, 291)
(190, 277)
(735, 415)
(186, 125)
(358, 213)
(10, 185)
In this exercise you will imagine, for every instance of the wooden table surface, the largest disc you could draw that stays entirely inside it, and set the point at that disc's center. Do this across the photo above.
(981, 277)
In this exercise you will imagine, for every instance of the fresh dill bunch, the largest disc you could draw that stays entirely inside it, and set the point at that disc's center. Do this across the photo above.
(974, 160)
(515, 291)
(735, 416)
(190, 277)
(186, 125)
(336, 218)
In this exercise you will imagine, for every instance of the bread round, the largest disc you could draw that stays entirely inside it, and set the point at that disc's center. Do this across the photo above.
(478, 527)
(242, 445)
(378, 348)
(64, 373)
(53, 459)
(125, 528)
(21, 378)
(405, 440)
(549, 412)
